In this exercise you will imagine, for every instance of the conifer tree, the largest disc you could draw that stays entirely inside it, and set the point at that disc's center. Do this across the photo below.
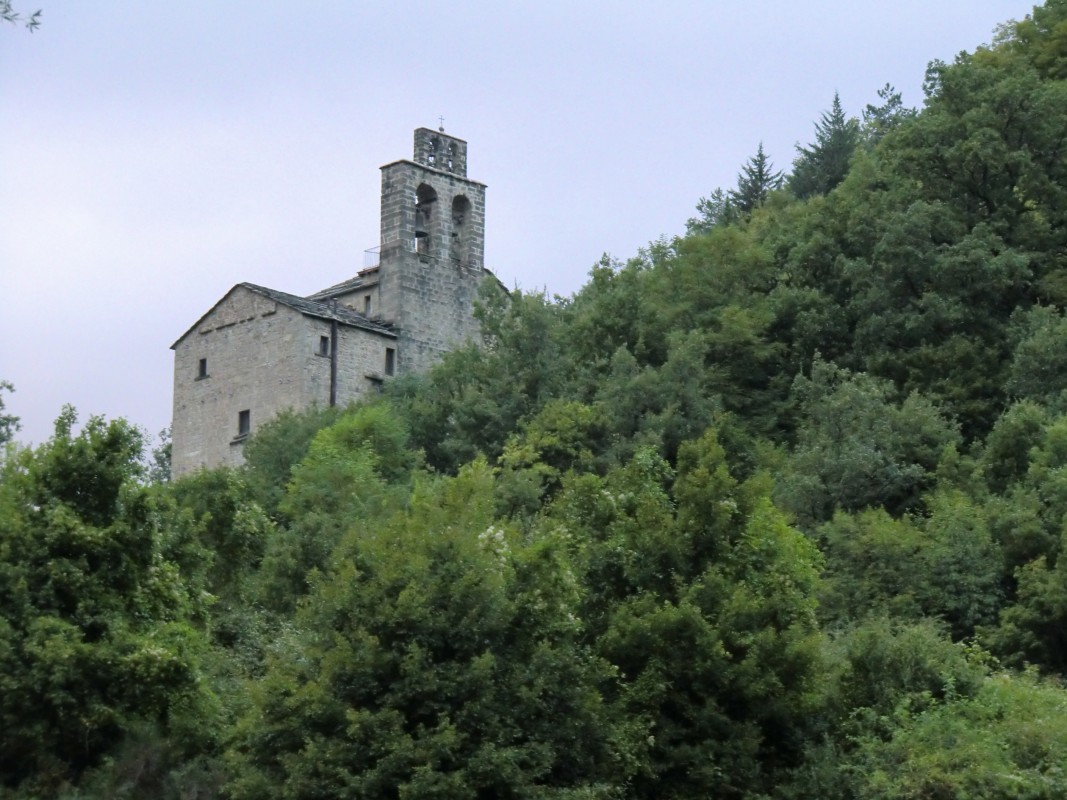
(822, 165)
(756, 180)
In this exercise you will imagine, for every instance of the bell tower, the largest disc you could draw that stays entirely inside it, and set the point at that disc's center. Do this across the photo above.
(432, 249)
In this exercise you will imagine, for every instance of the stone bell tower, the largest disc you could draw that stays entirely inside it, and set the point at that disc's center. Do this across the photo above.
(432, 249)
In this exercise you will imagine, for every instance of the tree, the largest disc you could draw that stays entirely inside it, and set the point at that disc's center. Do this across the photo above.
(277, 446)
(702, 600)
(8, 14)
(1008, 740)
(858, 448)
(159, 460)
(823, 164)
(8, 422)
(943, 566)
(881, 119)
(94, 639)
(436, 657)
(712, 211)
(756, 180)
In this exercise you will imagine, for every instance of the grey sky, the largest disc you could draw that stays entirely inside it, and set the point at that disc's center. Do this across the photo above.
(154, 154)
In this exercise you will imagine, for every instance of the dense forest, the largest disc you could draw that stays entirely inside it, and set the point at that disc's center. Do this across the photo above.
(776, 509)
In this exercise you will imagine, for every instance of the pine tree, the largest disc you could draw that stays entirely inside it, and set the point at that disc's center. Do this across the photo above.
(756, 180)
(822, 165)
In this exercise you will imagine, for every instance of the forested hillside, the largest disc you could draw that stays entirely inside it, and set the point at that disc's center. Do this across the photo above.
(772, 510)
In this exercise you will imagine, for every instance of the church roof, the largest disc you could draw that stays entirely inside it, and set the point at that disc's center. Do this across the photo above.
(321, 310)
(331, 311)
(344, 287)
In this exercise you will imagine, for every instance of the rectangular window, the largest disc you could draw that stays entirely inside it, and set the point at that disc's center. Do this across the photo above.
(201, 370)
(390, 361)
(366, 306)
(244, 422)
(324, 345)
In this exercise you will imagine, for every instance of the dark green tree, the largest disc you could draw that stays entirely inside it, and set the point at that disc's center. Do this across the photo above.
(437, 656)
(755, 182)
(824, 163)
(702, 598)
(278, 446)
(158, 470)
(878, 120)
(857, 447)
(716, 209)
(94, 640)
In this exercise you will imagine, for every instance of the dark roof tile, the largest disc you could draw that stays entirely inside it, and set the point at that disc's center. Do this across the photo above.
(321, 310)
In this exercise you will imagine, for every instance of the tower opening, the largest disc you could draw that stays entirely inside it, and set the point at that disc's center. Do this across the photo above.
(458, 249)
(425, 201)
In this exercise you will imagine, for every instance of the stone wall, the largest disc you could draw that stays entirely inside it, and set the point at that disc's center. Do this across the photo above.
(262, 357)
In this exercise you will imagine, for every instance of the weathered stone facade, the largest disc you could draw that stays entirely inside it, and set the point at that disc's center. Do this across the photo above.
(432, 248)
(259, 351)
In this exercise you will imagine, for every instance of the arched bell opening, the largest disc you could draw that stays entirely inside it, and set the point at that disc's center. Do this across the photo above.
(459, 246)
(425, 202)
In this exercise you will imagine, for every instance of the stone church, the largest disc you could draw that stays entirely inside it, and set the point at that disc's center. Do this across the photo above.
(258, 351)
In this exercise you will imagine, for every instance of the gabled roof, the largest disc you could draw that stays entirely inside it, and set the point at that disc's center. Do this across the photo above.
(331, 311)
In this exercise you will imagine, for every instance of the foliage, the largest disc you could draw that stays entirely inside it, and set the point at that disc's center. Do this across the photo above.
(9, 14)
(1009, 740)
(944, 565)
(276, 447)
(714, 210)
(343, 478)
(857, 448)
(703, 601)
(93, 637)
(882, 119)
(439, 658)
(824, 163)
(9, 423)
(159, 460)
(755, 182)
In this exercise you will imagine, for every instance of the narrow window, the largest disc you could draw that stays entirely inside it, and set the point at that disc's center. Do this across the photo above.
(201, 370)
(390, 361)
(366, 306)
(324, 345)
(244, 422)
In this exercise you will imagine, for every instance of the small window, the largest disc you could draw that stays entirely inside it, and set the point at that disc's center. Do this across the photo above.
(366, 305)
(201, 370)
(324, 345)
(390, 361)
(244, 422)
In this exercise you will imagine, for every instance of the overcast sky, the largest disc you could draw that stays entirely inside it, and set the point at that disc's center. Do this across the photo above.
(154, 154)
